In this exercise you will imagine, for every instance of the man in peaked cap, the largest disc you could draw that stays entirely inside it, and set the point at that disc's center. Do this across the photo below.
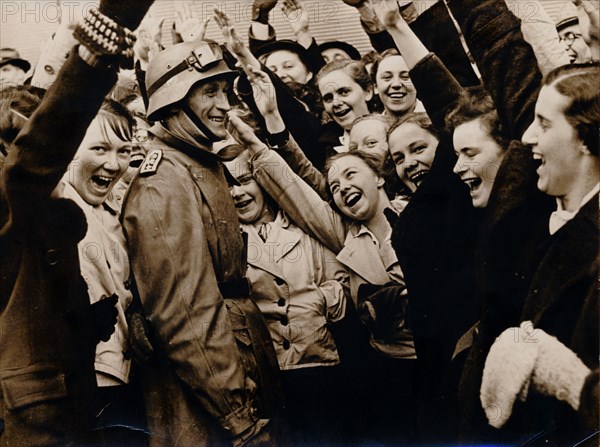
(570, 34)
(13, 69)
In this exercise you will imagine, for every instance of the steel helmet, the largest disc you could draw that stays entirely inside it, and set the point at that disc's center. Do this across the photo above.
(173, 72)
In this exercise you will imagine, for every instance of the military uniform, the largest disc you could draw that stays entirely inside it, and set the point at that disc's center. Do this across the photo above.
(188, 257)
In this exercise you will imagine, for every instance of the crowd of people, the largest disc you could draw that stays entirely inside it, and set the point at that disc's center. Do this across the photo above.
(285, 242)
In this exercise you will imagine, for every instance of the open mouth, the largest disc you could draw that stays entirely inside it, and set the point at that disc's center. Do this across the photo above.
(217, 119)
(397, 95)
(352, 199)
(473, 183)
(418, 177)
(342, 113)
(102, 182)
(539, 161)
(243, 203)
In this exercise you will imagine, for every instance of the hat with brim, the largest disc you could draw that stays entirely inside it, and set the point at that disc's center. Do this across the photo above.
(9, 56)
(346, 47)
(567, 16)
(284, 45)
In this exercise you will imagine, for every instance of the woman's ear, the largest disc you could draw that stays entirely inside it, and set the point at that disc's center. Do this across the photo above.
(380, 182)
(310, 75)
(369, 95)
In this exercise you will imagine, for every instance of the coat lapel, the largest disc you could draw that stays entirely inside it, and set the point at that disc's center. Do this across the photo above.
(267, 255)
(572, 251)
(361, 256)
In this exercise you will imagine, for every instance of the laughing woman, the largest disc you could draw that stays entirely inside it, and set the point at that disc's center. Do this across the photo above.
(358, 232)
(299, 288)
(346, 90)
(102, 158)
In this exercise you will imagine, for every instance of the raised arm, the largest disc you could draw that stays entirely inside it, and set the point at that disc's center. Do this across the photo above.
(46, 145)
(507, 63)
(302, 204)
(436, 87)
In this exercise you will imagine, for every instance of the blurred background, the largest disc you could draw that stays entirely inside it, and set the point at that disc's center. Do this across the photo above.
(25, 25)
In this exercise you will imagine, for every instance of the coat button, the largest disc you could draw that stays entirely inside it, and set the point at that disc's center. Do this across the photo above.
(286, 344)
(279, 281)
(281, 302)
(284, 321)
(49, 69)
(52, 256)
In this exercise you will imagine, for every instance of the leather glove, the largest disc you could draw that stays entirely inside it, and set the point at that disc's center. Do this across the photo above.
(507, 372)
(256, 436)
(104, 317)
(261, 10)
(125, 13)
(382, 308)
(140, 334)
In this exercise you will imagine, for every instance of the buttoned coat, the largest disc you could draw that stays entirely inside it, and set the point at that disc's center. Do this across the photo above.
(299, 287)
(211, 353)
(354, 247)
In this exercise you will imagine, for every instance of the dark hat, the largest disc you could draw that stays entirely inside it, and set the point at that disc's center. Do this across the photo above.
(284, 45)
(10, 56)
(346, 47)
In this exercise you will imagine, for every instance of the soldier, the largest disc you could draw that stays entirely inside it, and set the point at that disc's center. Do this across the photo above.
(212, 357)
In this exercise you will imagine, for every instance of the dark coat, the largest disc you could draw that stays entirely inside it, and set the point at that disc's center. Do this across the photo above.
(435, 238)
(46, 359)
(523, 273)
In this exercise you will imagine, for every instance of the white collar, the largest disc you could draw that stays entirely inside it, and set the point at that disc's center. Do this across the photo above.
(561, 216)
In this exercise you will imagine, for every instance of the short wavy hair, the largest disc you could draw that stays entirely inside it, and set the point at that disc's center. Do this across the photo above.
(475, 103)
(579, 83)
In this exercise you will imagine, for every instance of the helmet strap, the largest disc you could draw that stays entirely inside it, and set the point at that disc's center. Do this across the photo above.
(210, 136)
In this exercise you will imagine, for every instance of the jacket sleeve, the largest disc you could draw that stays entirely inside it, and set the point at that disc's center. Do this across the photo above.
(333, 281)
(507, 63)
(46, 145)
(180, 296)
(437, 89)
(539, 31)
(298, 200)
(301, 165)
(304, 126)
(437, 31)
(53, 57)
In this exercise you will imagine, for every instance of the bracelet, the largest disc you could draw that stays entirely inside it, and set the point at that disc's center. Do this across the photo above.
(91, 59)
(104, 37)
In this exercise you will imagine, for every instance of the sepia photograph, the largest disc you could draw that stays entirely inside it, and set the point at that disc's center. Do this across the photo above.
(299, 223)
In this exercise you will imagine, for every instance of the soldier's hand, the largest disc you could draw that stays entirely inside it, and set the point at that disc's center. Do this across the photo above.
(140, 337)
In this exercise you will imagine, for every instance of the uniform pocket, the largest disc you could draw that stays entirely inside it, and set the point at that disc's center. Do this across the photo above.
(32, 385)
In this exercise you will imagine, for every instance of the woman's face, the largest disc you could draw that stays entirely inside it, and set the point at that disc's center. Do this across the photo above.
(288, 67)
(355, 188)
(393, 84)
(248, 197)
(369, 135)
(100, 161)
(412, 149)
(343, 98)
(479, 157)
(555, 143)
